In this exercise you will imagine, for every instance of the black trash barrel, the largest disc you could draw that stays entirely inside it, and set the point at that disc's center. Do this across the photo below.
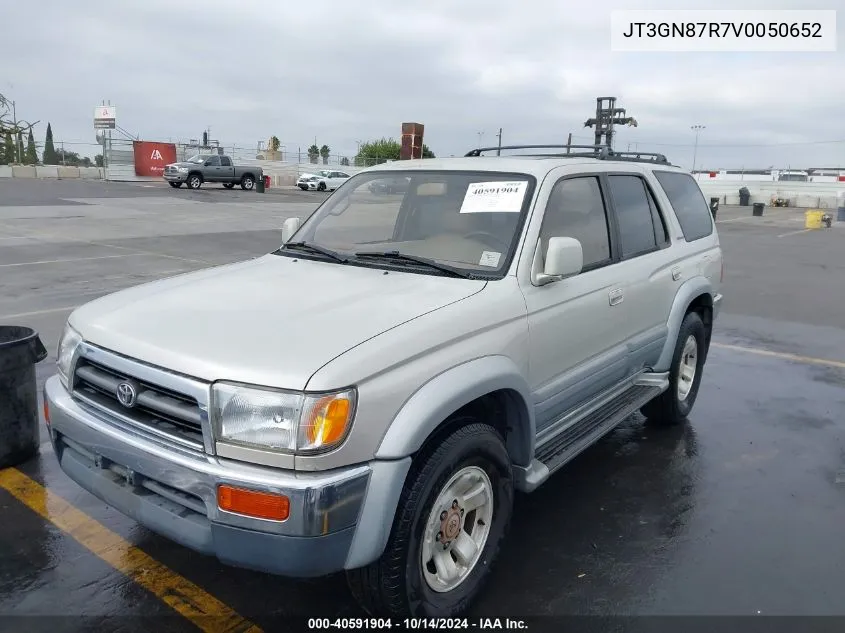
(714, 207)
(20, 350)
(758, 209)
(259, 185)
(744, 197)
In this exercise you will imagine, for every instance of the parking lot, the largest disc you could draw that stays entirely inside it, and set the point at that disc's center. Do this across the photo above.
(739, 512)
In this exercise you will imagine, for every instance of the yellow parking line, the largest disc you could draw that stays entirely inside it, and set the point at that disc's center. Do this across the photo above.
(795, 357)
(186, 598)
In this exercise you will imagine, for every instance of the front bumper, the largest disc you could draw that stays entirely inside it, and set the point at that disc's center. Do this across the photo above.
(174, 493)
(177, 177)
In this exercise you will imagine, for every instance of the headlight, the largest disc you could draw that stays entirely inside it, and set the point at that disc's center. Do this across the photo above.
(67, 347)
(282, 421)
(182, 170)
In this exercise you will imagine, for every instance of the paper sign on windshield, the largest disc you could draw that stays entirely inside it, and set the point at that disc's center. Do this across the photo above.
(494, 197)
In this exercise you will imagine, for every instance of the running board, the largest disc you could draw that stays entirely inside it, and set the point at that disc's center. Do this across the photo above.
(584, 431)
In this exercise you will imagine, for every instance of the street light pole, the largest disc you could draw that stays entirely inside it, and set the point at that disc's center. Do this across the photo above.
(480, 136)
(697, 129)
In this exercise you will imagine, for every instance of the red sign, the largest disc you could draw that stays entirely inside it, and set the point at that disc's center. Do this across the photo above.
(150, 157)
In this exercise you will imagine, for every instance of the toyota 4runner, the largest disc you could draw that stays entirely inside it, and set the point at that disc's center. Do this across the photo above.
(369, 396)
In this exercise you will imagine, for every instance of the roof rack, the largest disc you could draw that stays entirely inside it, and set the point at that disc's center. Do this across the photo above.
(600, 152)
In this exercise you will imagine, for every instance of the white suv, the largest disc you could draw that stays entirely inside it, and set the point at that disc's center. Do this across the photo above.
(369, 396)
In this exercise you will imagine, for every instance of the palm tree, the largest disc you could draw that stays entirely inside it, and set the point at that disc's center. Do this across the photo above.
(324, 152)
(313, 153)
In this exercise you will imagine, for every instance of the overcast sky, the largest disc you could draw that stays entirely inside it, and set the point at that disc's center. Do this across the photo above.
(344, 71)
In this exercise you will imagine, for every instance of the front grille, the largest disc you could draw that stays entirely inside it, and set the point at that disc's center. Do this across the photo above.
(157, 410)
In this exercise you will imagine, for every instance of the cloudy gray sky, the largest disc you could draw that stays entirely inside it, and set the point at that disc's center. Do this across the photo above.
(342, 71)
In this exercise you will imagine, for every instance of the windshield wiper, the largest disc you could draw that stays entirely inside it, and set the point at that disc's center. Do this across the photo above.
(397, 257)
(314, 248)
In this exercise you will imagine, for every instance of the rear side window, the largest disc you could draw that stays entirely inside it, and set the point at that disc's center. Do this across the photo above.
(636, 224)
(225, 161)
(688, 202)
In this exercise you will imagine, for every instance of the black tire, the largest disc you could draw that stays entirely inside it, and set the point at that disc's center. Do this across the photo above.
(194, 181)
(395, 585)
(669, 408)
(228, 185)
(321, 186)
(247, 182)
(175, 185)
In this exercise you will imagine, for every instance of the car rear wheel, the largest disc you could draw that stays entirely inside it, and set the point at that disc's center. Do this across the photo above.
(453, 514)
(175, 185)
(194, 181)
(247, 182)
(675, 404)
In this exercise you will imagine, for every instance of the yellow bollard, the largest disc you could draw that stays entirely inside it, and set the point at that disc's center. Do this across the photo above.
(813, 219)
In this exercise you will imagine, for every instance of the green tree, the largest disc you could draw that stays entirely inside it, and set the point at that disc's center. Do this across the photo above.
(98, 160)
(383, 150)
(313, 153)
(274, 144)
(49, 157)
(325, 152)
(68, 158)
(9, 149)
(31, 157)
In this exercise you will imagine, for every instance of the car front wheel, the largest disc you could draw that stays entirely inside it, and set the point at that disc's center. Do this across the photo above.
(194, 181)
(453, 514)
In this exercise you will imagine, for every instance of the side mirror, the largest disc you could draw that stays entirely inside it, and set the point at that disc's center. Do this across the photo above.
(564, 258)
(290, 227)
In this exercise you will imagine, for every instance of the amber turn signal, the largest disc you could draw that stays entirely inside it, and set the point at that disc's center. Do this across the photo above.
(46, 412)
(252, 503)
(328, 422)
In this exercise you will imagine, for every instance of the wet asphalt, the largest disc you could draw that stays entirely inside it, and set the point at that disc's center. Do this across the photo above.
(740, 511)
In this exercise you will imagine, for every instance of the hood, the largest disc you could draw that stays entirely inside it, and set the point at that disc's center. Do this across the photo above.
(270, 321)
(184, 164)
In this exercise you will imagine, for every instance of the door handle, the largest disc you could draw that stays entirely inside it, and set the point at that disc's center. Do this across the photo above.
(676, 273)
(615, 296)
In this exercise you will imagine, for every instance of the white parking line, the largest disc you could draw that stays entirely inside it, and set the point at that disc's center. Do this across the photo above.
(795, 232)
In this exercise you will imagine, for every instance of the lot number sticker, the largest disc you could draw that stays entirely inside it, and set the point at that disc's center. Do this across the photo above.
(489, 258)
(494, 197)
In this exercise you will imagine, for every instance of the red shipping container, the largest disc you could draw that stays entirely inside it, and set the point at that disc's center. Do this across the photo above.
(151, 157)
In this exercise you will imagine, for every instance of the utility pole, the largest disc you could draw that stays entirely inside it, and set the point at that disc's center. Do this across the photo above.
(480, 136)
(499, 148)
(568, 142)
(697, 129)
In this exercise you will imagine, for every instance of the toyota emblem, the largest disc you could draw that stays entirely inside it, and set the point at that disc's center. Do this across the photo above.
(126, 394)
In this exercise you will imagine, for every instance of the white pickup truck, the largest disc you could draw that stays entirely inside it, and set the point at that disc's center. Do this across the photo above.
(370, 396)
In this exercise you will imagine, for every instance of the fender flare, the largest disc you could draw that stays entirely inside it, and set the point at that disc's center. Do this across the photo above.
(692, 288)
(447, 392)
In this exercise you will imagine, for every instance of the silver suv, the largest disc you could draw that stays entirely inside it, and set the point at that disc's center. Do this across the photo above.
(369, 396)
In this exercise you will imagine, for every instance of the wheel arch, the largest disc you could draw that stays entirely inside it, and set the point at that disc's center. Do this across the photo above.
(696, 295)
(491, 389)
(491, 386)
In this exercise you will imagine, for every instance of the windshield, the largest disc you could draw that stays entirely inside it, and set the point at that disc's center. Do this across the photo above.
(467, 220)
(199, 158)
